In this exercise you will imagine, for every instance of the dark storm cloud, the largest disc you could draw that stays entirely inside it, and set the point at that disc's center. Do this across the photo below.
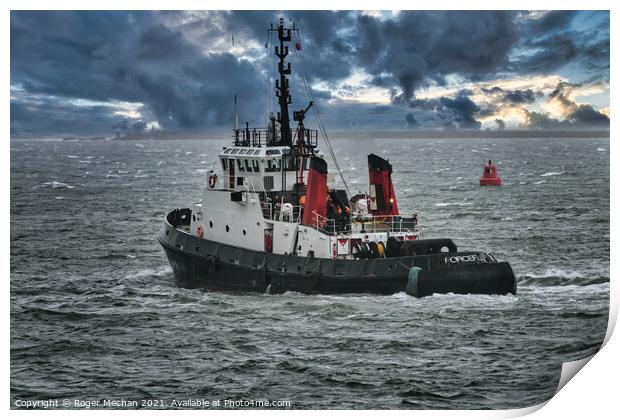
(553, 52)
(586, 116)
(540, 120)
(459, 112)
(129, 57)
(411, 121)
(175, 64)
(330, 53)
(552, 21)
(516, 96)
(520, 96)
(552, 42)
(462, 111)
(31, 117)
(418, 47)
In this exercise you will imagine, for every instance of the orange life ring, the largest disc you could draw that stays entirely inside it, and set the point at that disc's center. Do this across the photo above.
(200, 232)
(212, 180)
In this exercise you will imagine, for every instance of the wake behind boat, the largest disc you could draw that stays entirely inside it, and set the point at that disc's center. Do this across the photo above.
(274, 221)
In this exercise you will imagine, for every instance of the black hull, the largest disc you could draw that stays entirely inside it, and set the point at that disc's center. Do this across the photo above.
(204, 264)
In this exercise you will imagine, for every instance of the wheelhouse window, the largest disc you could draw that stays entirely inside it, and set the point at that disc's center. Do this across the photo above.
(273, 165)
(240, 165)
(289, 163)
(255, 165)
(248, 165)
(224, 165)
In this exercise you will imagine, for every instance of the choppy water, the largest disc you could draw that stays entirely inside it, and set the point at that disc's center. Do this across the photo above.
(95, 313)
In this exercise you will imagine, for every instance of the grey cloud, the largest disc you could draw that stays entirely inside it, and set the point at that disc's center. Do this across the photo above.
(575, 115)
(520, 96)
(130, 57)
(34, 117)
(418, 47)
(159, 59)
(411, 121)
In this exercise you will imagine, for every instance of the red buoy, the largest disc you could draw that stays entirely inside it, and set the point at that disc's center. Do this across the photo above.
(489, 176)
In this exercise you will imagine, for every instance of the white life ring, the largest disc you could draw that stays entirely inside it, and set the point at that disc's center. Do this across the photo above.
(212, 181)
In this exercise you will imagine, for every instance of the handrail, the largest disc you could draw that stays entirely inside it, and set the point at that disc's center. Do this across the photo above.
(281, 216)
(369, 222)
(256, 137)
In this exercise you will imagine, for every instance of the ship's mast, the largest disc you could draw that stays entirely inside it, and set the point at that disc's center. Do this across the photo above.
(282, 86)
(236, 117)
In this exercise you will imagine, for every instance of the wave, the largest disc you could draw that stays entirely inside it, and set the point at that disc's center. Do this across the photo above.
(552, 173)
(452, 204)
(54, 184)
(559, 277)
(149, 273)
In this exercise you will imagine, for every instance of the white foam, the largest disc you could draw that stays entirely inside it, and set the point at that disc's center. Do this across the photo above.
(540, 182)
(149, 272)
(556, 272)
(552, 173)
(451, 204)
(54, 184)
(600, 149)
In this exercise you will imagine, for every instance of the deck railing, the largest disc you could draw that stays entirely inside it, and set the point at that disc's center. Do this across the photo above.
(257, 137)
(364, 223)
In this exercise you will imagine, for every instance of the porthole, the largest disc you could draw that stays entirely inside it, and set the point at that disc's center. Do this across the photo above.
(194, 217)
(244, 232)
(167, 232)
(211, 224)
(227, 228)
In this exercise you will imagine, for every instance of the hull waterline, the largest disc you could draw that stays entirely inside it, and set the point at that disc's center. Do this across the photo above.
(204, 264)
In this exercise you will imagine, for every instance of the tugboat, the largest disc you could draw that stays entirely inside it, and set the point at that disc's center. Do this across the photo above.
(489, 176)
(274, 221)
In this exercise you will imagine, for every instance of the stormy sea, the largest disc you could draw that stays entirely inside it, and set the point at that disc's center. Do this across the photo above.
(96, 315)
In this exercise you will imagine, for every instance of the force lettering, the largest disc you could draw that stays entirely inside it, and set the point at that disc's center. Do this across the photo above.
(457, 259)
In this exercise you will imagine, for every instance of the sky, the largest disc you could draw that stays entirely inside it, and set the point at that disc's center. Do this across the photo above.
(103, 72)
